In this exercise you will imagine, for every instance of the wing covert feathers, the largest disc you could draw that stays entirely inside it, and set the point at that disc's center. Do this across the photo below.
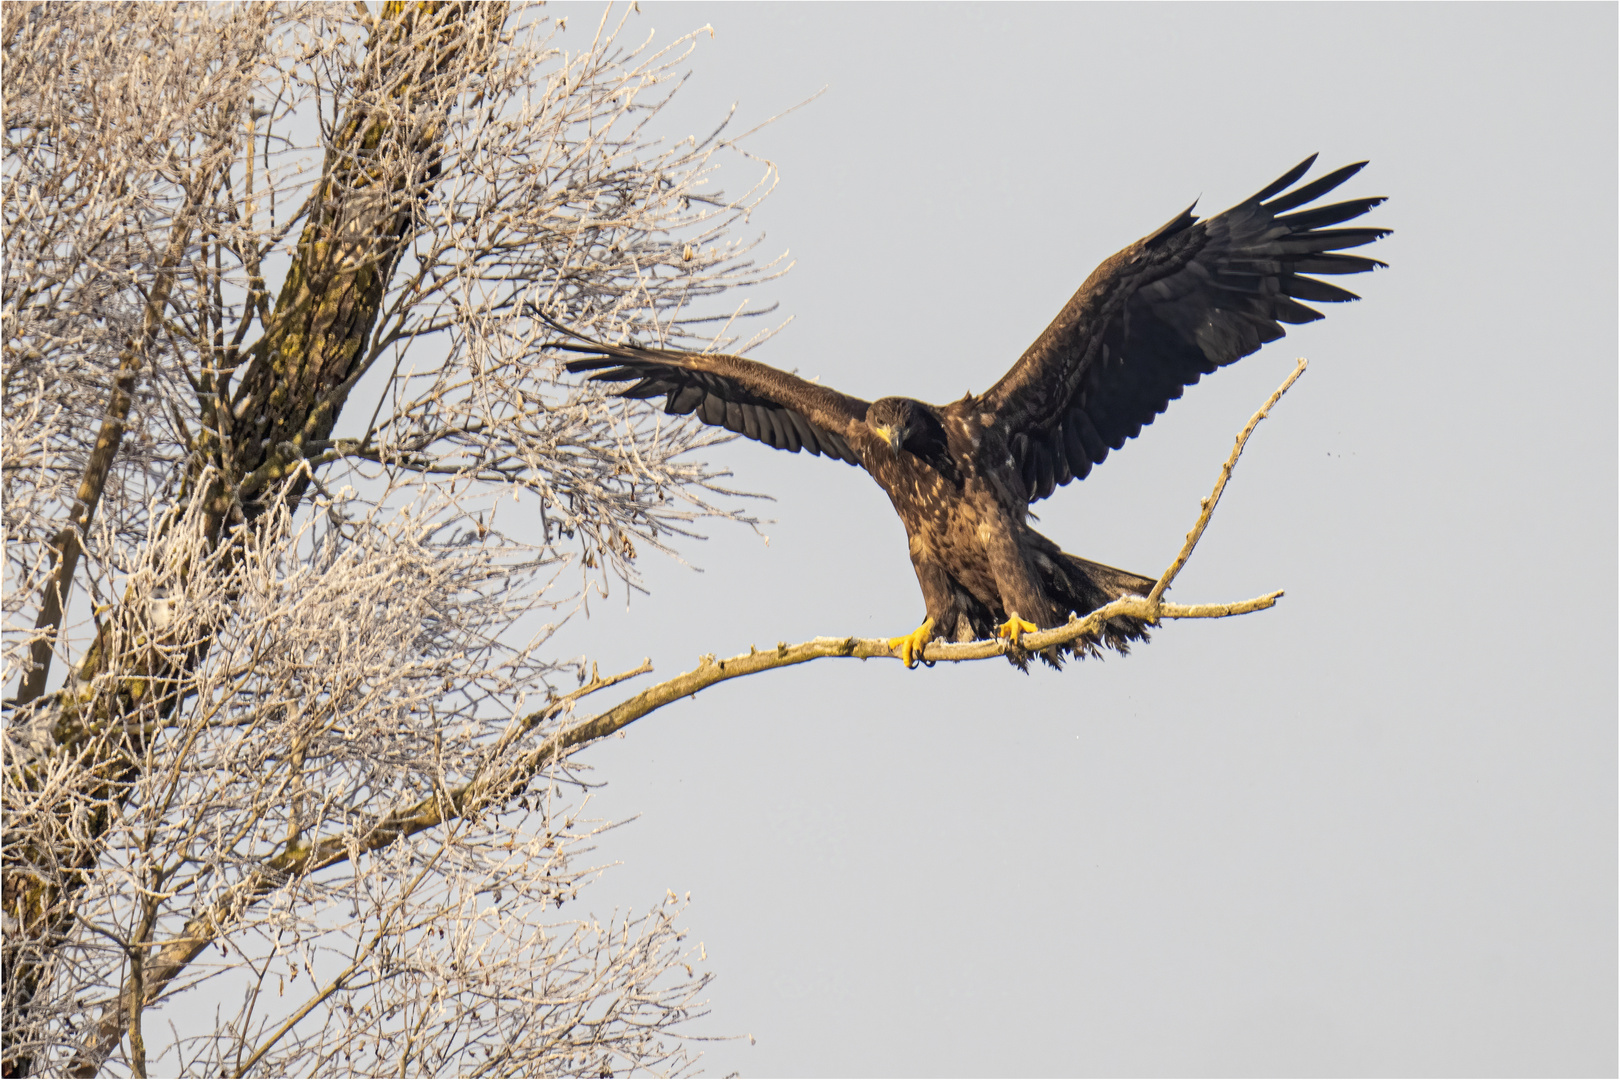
(1187, 299)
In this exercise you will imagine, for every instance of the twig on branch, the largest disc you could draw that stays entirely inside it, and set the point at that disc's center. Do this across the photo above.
(1207, 506)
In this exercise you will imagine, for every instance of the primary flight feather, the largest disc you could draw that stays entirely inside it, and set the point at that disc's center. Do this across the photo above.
(1186, 299)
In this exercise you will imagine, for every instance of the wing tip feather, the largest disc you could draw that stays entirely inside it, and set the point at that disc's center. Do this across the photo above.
(1284, 180)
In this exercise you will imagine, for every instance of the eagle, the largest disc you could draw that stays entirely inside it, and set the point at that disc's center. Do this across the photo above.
(1190, 297)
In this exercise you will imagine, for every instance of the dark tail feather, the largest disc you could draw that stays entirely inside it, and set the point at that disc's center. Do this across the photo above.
(1084, 586)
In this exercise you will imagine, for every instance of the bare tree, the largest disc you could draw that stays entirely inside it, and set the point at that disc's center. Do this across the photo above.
(315, 534)
(293, 504)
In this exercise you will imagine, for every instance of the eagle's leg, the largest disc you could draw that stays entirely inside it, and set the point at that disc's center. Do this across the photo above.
(942, 614)
(912, 645)
(1013, 564)
(1015, 628)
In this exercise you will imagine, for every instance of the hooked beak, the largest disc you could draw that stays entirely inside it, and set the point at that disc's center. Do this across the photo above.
(890, 436)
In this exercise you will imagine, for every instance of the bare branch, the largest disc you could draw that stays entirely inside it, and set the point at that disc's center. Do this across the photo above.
(1207, 505)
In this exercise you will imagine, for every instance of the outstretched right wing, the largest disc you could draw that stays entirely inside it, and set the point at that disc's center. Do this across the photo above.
(1171, 308)
(752, 399)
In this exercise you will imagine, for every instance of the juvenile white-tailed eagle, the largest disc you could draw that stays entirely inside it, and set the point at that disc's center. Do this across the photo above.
(1177, 304)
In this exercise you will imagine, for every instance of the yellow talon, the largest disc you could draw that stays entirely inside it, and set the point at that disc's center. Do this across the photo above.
(912, 645)
(1014, 629)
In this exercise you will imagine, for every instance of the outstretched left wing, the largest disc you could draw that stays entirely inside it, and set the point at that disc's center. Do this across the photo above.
(1172, 307)
(750, 398)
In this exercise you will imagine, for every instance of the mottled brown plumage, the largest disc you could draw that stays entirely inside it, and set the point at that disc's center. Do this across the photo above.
(1150, 321)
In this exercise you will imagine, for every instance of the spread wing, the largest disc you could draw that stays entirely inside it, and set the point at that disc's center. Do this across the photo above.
(752, 399)
(1190, 298)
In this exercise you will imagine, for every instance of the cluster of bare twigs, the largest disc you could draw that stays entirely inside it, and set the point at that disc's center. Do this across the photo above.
(292, 505)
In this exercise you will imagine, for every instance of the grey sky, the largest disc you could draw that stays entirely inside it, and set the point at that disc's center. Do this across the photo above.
(1372, 831)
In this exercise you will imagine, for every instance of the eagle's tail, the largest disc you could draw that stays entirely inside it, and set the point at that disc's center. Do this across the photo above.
(1082, 586)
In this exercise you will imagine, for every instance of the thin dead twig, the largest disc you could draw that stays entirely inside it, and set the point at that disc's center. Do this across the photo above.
(1207, 506)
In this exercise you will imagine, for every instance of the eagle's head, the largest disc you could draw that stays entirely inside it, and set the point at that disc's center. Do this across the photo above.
(902, 423)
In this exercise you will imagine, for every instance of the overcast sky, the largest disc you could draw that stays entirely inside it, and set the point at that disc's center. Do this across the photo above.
(1371, 831)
